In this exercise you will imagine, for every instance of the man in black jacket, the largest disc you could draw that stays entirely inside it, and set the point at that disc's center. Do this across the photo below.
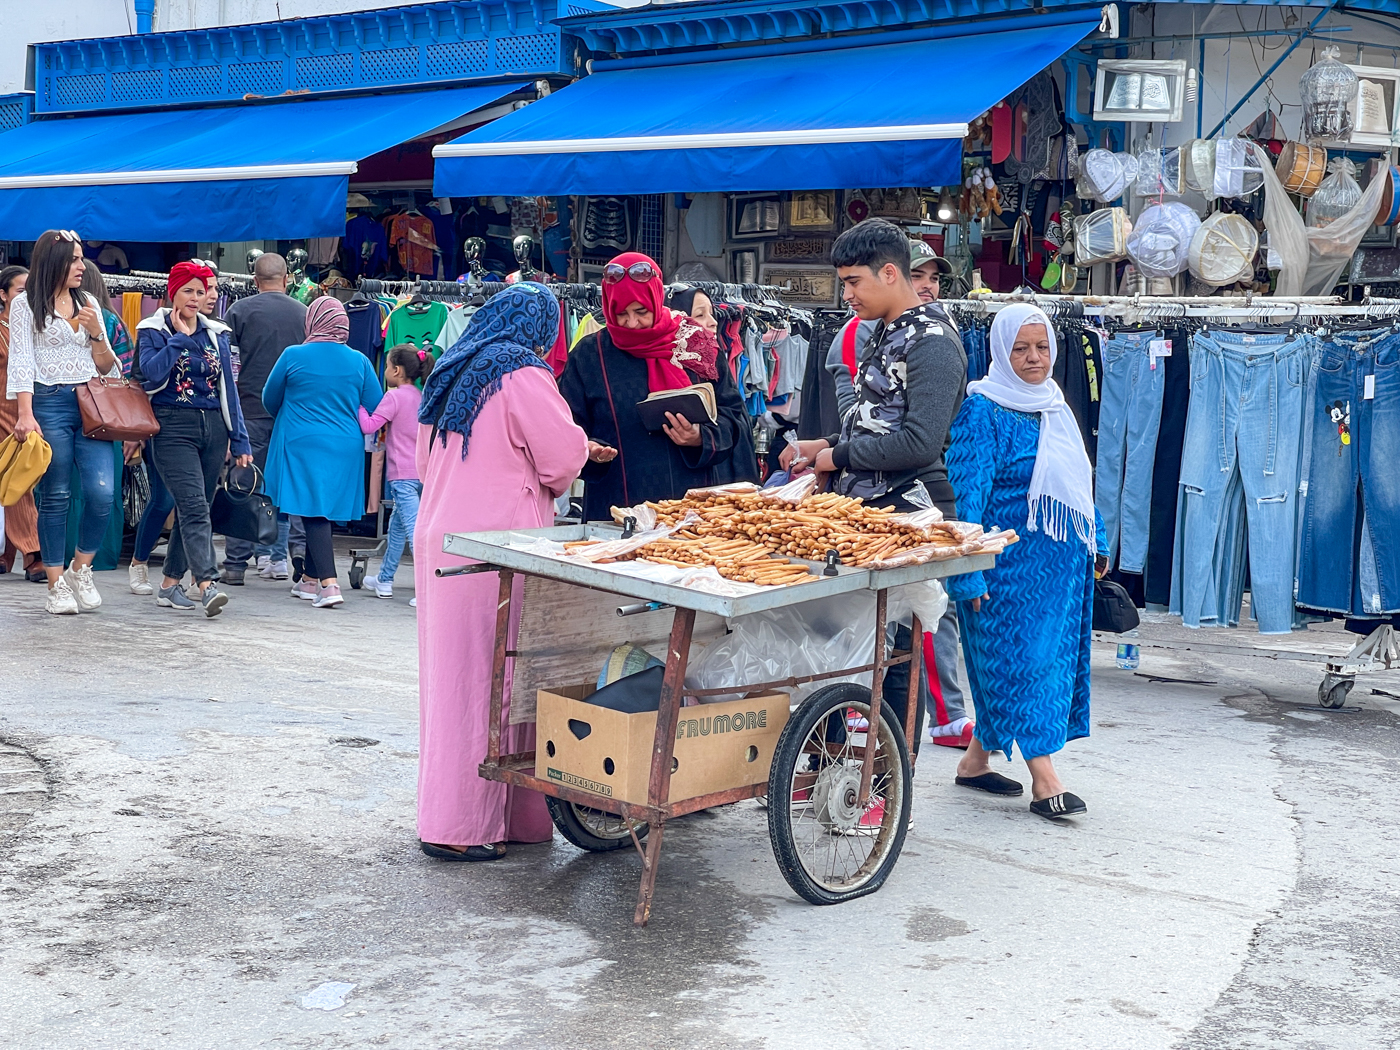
(910, 383)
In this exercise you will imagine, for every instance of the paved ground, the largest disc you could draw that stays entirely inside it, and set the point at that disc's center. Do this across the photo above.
(206, 840)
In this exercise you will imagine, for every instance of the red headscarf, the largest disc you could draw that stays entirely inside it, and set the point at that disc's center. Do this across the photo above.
(182, 273)
(672, 344)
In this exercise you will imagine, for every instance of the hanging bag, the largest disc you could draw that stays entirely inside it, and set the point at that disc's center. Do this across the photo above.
(243, 514)
(1114, 611)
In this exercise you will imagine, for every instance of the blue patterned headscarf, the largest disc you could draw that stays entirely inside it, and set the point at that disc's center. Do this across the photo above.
(513, 330)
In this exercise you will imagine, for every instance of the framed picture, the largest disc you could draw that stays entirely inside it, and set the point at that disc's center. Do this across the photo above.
(812, 210)
(754, 215)
(590, 273)
(1373, 114)
(1139, 89)
(798, 249)
(745, 266)
(804, 285)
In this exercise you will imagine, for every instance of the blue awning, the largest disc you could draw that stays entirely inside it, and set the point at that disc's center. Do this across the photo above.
(889, 114)
(222, 173)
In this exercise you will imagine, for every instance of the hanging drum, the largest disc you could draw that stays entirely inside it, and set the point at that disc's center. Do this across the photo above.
(1390, 197)
(1237, 173)
(1301, 168)
(1223, 249)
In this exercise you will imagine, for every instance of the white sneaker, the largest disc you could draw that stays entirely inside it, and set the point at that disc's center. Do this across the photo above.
(60, 601)
(273, 570)
(413, 603)
(383, 588)
(84, 589)
(140, 579)
(264, 561)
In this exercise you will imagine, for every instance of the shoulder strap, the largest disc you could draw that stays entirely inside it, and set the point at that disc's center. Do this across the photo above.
(848, 346)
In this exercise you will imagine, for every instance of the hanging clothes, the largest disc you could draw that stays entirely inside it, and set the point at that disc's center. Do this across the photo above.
(417, 324)
(415, 240)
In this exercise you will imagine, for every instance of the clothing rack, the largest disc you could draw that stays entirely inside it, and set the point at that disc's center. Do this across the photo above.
(1140, 308)
(153, 284)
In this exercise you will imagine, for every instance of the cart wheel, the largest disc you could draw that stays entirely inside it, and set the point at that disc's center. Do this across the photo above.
(1334, 689)
(357, 574)
(592, 829)
(828, 847)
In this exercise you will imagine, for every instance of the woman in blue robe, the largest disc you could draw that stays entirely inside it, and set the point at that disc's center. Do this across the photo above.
(1017, 460)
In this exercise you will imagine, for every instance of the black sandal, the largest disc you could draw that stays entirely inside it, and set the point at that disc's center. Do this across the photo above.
(1057, 807)
(993, 783)
(488, 852)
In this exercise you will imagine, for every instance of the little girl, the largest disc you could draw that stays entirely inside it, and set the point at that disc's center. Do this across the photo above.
(406, 367)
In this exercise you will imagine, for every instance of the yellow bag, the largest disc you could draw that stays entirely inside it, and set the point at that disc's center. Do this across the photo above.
(22, 464)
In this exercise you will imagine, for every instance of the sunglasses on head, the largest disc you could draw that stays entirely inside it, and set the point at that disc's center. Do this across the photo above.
(641, 272)
(68, 235)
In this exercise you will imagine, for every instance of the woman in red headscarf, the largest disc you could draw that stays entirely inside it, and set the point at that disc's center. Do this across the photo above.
(185, 364)
(647, 348)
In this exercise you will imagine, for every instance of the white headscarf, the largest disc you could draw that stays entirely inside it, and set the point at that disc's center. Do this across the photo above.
(1062, 488)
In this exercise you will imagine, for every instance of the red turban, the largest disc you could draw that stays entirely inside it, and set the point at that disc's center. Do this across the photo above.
(182, 273)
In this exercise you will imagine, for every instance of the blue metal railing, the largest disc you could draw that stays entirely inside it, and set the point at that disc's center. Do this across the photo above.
(444, 42)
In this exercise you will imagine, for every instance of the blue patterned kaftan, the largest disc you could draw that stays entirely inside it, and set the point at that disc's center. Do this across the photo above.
(1027, 650)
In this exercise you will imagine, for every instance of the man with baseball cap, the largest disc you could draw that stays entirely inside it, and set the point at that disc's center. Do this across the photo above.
(925, 270)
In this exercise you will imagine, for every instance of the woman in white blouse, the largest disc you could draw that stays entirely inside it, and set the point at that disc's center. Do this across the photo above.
(58, 341)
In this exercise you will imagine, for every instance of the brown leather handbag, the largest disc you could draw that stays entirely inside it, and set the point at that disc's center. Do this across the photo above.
(115, 410)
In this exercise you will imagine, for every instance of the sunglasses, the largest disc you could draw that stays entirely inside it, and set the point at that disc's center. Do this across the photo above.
(641, 272)
(68, 235)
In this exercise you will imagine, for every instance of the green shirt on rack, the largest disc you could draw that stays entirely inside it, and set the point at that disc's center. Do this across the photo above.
(417, 325)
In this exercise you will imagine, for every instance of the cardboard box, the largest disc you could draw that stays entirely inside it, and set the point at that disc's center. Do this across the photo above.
(718, 746)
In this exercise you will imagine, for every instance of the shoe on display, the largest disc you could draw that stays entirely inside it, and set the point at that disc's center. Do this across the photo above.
(140, 579)
(174, 597)
(383, 588)
(328, 597)
(274, 570)
(233, 577)
(84, 587)
(213, 600)
(306, 589)
(60, 600)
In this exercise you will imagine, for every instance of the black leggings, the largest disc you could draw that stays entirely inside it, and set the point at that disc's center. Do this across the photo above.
(320, 555)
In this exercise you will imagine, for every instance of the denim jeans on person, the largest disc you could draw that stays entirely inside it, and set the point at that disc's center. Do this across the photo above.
(189, 453)
(56, 409)
(1240, 473)
(1130, 413)
(405, 494)
(158, 508)
(1349, 550)
(237, 552)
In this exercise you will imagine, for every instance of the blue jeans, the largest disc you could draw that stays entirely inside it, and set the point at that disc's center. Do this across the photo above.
(405, 495)
(1349, 554)
(1130, 414)
(56, 409)
(1240, 472)
(158, 508)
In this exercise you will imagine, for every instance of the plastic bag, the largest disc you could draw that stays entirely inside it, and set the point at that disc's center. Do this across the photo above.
(1336, 196)
(1101, 176)
(795, 491)
(1327, 90)
(737, 488)
(1161, 239)
(645, 516)
(1158, 173)
(1223, 249)
(1101, 236)
(611, 550)
(926, 516)
(1237, 173)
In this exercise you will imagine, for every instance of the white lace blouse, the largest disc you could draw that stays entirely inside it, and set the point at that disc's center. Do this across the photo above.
(54, 356)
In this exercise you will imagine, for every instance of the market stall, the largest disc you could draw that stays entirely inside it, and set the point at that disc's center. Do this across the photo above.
(715, 558)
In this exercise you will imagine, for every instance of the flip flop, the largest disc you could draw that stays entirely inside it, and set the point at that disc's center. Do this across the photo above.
(992, 783)
(471, 853)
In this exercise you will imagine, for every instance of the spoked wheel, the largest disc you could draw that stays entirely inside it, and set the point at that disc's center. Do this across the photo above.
(595, 830)
(829, 847)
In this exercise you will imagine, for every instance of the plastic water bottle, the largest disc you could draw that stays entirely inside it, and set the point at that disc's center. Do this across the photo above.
(1127, 656)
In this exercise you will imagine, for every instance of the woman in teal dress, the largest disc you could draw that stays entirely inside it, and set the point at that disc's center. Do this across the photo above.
(1017, 461)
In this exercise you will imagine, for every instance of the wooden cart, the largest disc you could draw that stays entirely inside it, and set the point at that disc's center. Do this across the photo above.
(846, 792)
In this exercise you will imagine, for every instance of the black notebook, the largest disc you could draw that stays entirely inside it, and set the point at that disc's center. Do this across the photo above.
(696, 403)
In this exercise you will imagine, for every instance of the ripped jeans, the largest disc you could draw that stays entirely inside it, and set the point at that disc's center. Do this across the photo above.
(1240, 471)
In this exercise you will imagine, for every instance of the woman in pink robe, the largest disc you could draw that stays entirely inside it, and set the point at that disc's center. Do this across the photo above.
(496, 445)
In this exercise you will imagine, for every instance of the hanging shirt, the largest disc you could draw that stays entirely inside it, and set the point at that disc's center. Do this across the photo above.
(417, 325)
(413, 238)
(367, 247)
(366, 327)
(453, 327)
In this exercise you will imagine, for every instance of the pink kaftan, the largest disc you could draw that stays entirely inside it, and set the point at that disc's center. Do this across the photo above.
(525, 450)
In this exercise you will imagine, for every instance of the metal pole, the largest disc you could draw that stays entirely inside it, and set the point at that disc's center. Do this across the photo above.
(1270, 71)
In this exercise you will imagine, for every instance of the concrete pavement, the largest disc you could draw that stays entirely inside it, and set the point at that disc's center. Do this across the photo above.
(211, 845)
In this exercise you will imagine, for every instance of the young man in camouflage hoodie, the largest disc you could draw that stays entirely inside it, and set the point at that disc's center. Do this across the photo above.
(910, 381)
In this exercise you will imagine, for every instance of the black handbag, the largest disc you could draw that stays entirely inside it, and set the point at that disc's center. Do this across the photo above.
(244, 514)
(1114, 611)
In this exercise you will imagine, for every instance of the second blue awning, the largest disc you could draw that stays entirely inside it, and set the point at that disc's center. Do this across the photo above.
(220, 173)
(878, 115)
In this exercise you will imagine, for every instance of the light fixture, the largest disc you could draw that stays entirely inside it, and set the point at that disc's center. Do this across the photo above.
(947, 212)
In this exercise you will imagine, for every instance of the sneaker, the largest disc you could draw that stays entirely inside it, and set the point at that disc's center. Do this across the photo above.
(274, 570)
(174, 597)
(855, 721)
(305, 588)
(84, 589)
(328, 597)
(233, 577)
(413, 603)
(139, 578)
(383, 588)
(213, 600)
(264, 560)
(60, 600)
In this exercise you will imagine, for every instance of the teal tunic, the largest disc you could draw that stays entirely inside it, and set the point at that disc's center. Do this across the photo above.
(316, 459)
(1027, 650)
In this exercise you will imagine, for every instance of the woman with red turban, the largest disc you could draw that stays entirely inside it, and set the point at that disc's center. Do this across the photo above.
(185, 364)
(647, 348)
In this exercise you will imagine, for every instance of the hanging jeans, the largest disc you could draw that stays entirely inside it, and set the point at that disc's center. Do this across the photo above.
(1349, 556)
(56, 410)
(1129, 416)
(1240, 472)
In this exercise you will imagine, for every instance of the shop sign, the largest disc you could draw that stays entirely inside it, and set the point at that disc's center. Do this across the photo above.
(804, 285)
(799, 249)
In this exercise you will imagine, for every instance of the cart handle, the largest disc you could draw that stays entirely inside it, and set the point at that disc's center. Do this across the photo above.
(464, 570)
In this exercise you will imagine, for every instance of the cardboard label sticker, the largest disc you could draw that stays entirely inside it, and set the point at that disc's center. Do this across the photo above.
(1370, 394)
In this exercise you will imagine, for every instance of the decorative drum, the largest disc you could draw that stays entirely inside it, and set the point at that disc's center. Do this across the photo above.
(1301, 168)
(1390, 197)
